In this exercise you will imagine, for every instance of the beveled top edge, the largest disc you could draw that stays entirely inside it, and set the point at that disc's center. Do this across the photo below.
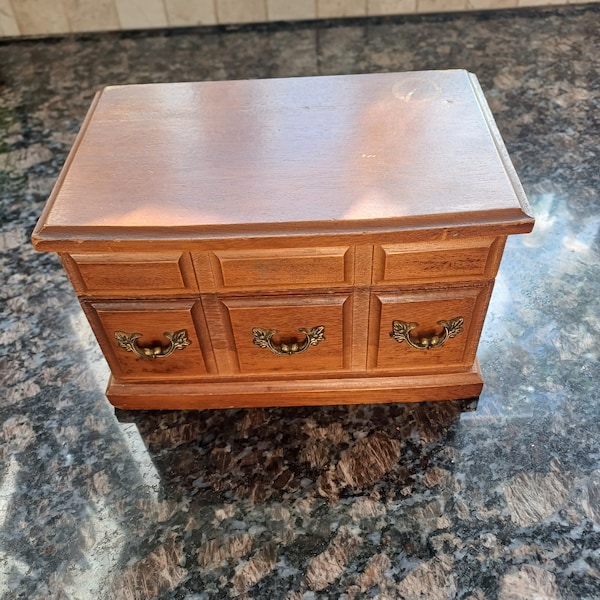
(93, 239)
(371, 196)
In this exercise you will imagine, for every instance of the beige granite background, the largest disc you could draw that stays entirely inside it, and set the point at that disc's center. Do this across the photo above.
(49, 17)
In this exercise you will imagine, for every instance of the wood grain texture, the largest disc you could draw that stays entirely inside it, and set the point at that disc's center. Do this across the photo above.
(426, 308)
(283, 268)
(287, 314)
(351, 152)
(433, 262)
(124, 274)
(342, 202)
(294, 392)
(152, 320)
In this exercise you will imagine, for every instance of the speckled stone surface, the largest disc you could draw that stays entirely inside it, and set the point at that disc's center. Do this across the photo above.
(386, 501)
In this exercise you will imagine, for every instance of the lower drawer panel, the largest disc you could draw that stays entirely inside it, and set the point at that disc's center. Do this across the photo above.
(427, 330)
(151, 340)
(295, 334)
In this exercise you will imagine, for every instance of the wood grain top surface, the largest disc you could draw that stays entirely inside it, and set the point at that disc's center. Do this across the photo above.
(341, 151)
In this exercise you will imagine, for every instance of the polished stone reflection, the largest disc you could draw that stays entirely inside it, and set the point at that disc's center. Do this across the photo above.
(385, 501)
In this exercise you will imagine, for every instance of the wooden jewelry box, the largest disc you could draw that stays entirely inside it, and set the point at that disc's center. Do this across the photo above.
(305, 241)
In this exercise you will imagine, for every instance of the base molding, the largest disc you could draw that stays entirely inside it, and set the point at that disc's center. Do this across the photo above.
(290, 392)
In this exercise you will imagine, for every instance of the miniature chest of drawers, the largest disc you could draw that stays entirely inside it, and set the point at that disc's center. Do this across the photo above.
(305, 241)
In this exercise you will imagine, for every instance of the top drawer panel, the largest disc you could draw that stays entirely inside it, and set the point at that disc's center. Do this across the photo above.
(117, 274)
(468, 259)
(283, 268)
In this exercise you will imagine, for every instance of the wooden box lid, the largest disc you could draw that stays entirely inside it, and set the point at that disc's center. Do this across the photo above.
(348, 153)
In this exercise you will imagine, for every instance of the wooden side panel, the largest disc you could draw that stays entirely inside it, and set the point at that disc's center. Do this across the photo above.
(426, 309)
(287, 315)
(284, 268)
(152, 320)
(131, 274)
(471, 258)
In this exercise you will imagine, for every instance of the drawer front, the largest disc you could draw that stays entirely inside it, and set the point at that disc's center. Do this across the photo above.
(151, 340)
(131, 275)
(293, 334)
(283, 268)
(436, 262)
(426, 331)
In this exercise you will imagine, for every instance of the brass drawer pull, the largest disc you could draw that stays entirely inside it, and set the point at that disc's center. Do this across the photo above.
(178, 341)
(263, 338)
(401, 332)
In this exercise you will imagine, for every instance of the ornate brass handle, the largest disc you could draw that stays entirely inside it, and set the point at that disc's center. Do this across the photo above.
(128, 341)
(401, 333)
(264, 339)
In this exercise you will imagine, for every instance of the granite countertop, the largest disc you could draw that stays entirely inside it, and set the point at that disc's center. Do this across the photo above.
(385, 501)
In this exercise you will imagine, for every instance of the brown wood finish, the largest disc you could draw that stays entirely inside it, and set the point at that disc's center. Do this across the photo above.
(426, 308)
(290, 392)
(287, 315)
(338, 202)
(333, 150)
(284, 268)
(124, 274)
(152, 320)
(456, 260)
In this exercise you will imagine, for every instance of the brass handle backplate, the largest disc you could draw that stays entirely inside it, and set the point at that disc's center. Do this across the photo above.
(264, 339)
(128, 341)
(401, 333)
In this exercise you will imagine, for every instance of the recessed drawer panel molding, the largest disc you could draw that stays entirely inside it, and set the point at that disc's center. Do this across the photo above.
(445, 261)
(283, 268)
(152, 340)
(443, 327)
(131, 275)
(291, 241)
(268, 333)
